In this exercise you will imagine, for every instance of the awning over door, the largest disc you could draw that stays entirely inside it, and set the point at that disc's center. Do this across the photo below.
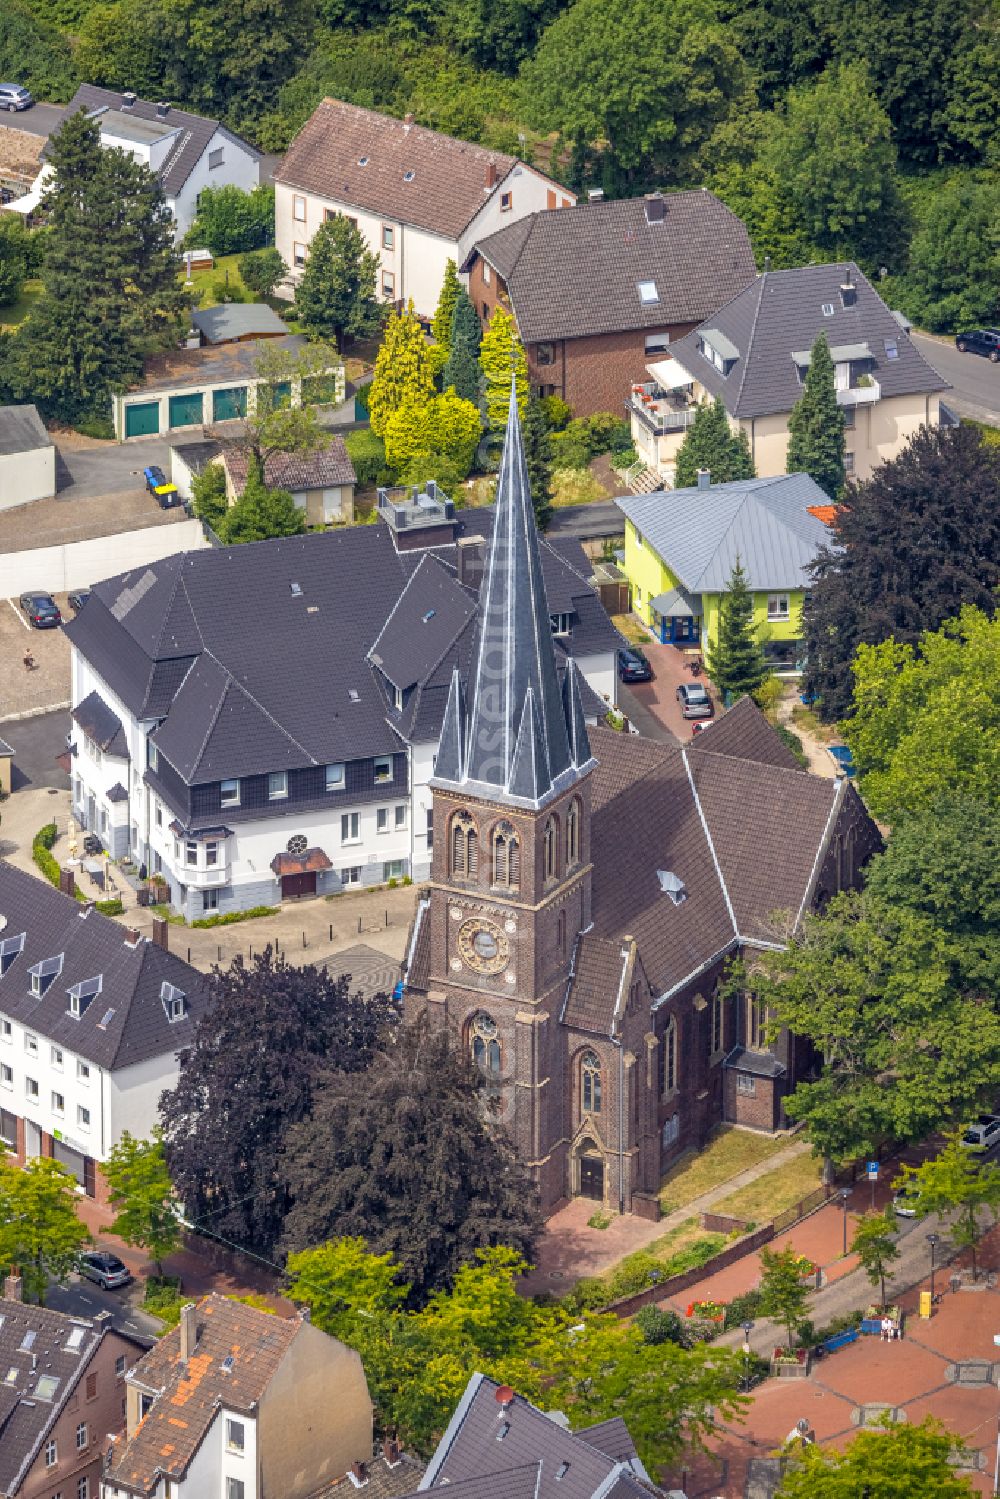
(669, 374)
(312, 861)
(677, 604)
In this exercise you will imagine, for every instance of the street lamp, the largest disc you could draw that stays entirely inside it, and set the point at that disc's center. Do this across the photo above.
(747, 1329)
(932, 1241)
(844, 1199)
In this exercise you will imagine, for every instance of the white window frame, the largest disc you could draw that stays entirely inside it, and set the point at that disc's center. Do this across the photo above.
(239, 1445)
(81, 1437)
(31, 1089)
(216, 158)
(388, 284)
(82, 1117)
(6, 1075)
(56, 1058)
(400, 815)
(778, 606)
(191, 854)
(336, 777)
(382, 819)
(51, 1452)
(388, 237)
(31, 1044)
(58, 1103)
(229, 798)
(848, 463)
(298, 208)
(83, 1072)
(350, 828)
(486, 273)
(746, 1085)
(211, 855)
(382, 777)
(277, 786)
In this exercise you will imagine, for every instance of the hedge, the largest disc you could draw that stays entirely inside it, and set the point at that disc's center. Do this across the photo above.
(230, 916)
(41, 845)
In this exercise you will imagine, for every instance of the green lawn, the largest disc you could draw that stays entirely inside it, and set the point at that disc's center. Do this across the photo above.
(629, 626)
(16, 312)
(204, 281)
(774, 1192)
(729, 1152)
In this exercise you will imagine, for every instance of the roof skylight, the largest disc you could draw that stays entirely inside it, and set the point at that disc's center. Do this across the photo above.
(46, 1387)
(672, 885)
(409, 176)
(648, 292)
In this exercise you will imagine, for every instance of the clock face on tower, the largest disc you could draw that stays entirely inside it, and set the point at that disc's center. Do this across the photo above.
(483, 946)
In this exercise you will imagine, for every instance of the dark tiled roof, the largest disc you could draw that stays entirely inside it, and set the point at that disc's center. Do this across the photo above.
(383, 1480)
(446, 191)
(117, 793)
(509, 1483)
(745, 733)
(782, 314)
(432, 612)
(327, 467)
(597, 977)
(195, 132)
(577, 271)
(485, 1440)
(192, 1392)
(231, 320)
(126, 1022)
(612, 1438)
(22, 430)
(98, 722)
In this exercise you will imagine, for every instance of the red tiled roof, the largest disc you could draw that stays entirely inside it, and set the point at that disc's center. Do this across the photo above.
(313, 861)
(324, 468)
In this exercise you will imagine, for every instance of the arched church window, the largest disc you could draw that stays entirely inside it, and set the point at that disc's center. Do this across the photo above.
(756, 1022)
(464, 847)
(573, 835)
(590, 1080)
(550, 846)
(670, 1057)
(506, 856)
(484, 1044)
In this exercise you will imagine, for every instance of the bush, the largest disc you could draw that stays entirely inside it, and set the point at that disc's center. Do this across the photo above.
(231, 221)
(41, 845)
(366, 451)
(607, 433)
(261, 270)
(96, 425)
(163, 1299)
(111, 907)
(556, 411)
(794, 743)
(745, 1308)
(230, 917)
(569, 450)
(658, 1326)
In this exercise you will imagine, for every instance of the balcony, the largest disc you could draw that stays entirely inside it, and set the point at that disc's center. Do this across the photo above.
(660, 411)
(860, 395)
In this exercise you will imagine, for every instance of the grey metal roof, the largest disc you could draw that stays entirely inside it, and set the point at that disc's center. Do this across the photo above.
(22, 430)
(92, 944)
(196, 131)
(576, 271)
(782, 312)
(699, 533)
(234, 320)
(515, 738)
(677, 603)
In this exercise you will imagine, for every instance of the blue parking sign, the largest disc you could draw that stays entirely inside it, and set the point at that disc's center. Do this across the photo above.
(873, 1171)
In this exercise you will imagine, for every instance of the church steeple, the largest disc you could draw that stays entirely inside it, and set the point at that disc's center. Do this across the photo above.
(522, 739)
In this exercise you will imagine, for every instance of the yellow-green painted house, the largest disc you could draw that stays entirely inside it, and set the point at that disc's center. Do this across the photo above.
(681, 546)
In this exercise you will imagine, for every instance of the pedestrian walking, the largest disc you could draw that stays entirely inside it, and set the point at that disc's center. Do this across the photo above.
(886, 1329)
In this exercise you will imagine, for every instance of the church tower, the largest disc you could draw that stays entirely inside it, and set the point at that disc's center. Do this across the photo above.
(511, 872)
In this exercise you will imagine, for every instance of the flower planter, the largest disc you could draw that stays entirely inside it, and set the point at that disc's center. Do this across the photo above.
(792, 1368)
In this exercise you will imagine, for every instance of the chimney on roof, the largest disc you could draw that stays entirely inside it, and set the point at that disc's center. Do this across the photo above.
(161, 932)
(491, 174)
(391, 1451)
(67, 881)
(704, 478)
(595, 194)
(132, 936)
(189, 1330)
(848, 290)
(656, 208)
(358, 1474)
(471, 552)
(128, 100)
(408, 121)
(162, 109)
(13, 1286)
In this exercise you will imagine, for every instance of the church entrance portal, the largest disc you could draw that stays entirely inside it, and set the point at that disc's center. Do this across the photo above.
(592, 1177)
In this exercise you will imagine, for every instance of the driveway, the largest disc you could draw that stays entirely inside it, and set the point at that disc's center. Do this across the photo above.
(47, 683)
(85, 466)
(975, 380)
(36, 742)
(40, 119)
(659, 697)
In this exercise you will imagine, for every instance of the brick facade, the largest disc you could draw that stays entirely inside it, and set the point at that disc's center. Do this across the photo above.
(591, 373)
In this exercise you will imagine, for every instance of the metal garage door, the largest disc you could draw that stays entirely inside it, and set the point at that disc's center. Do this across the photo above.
(227, 404)
(142, 419)
(187, 410)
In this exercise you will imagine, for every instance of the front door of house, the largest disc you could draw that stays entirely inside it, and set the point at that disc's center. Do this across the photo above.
(294, 886)
(592, 1177)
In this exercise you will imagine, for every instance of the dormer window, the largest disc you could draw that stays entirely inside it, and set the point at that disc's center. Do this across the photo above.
(672, 885)
(174, 1002)
(42, 975)
(383, 769)
(82, 995)
(10, 948)
(560, 623)
(229, 793)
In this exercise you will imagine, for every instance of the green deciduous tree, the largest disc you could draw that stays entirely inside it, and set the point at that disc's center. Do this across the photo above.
(261, 513)
(736, 661)
(896, 1461)
(402, 370)
(907, 739)
(444, 425)
(784, 1293)
(450, 289)
(13, 257)
(142, 1195)
(832, 163)
(462, 370)
(880, 994)
(208, 496)
(111, 284)
(709, 443)
(500, 353)
(230, 221)
(261, 270)
(418, 1362)
(336, 296)
(538, 457)
(248, 1077)
(953, 271)
(816, 426)
(40, 1233)
(919, 539)
(956, 1184)
(875, 1245)
(276, 424)
(35, 52)
(233, 57)
(403, 1155)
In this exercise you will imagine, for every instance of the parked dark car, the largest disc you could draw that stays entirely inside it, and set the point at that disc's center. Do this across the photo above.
(104, 1268)
(633, 666)
(41, 610)
(694, 700)
(160, 487)
(984, 341)
(78, 599)
(13, 97)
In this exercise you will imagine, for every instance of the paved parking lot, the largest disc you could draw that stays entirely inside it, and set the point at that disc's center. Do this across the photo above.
(659, 697)
(47, 684)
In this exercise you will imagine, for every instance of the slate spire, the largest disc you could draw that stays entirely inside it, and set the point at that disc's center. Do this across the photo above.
(524, 737)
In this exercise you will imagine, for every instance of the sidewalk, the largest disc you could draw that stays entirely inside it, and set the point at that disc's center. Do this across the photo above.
(569, 1249)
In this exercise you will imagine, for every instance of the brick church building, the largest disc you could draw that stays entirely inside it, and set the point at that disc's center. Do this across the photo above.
(588, 889)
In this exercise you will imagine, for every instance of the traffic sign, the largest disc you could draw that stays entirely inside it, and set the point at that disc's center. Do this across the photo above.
(873, 1171)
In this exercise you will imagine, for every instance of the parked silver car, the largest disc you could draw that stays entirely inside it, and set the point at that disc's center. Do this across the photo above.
(14, 97)
(694, 700)
(106, 1269)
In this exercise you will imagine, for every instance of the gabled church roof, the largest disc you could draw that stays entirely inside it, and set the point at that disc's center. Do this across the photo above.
(521, 739)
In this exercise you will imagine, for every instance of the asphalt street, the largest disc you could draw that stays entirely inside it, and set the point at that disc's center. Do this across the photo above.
(36, 742)
(975, 381)
(40, 119)
(81, 1298)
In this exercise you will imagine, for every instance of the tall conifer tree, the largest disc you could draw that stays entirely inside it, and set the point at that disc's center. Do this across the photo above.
(538, 457)
(462, 369)
(402, 370)
(816, 426)
(710, 444)
(736, 661)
